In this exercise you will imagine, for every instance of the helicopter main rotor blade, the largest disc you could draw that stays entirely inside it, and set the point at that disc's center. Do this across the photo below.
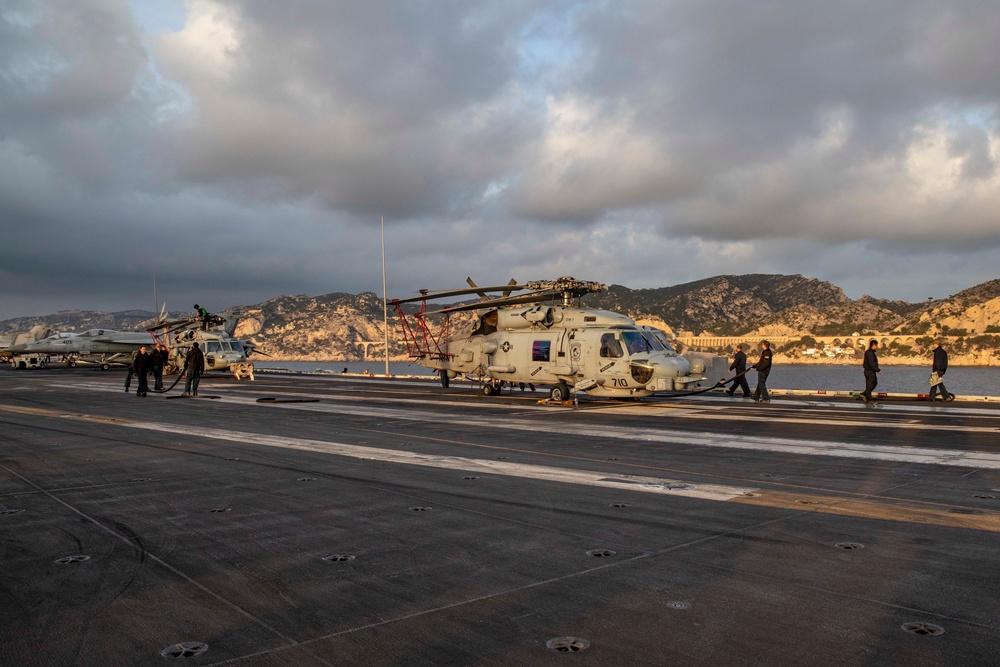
(168, 325)
(507, 292)
(535, 297)
(441, 294)
(472, 283)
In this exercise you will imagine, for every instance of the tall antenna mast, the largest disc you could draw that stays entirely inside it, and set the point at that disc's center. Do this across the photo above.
(385, 303)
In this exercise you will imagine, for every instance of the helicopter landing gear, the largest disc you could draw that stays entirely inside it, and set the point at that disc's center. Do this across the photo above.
(105, 367)
(559, 392)
(491, 389)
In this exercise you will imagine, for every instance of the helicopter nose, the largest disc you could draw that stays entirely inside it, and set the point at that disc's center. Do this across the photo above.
(672, 367)
(663, 372)
(659, 370)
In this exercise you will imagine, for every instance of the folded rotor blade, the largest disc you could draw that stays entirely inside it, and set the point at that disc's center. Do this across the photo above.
(429, 294)
(535, 297)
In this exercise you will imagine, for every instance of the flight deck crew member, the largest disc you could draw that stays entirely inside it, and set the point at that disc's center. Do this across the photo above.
(157, 359)
(940, 366)
(164, 360)
(142, 364)
(203, 316)
(740, 366)
(194, 365)
(763, 367)
(871, 369)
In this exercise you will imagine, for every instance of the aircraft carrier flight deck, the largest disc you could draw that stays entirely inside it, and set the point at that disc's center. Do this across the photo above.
(327, 520)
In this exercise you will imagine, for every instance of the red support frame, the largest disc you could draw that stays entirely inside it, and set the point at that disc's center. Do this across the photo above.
(421, 342)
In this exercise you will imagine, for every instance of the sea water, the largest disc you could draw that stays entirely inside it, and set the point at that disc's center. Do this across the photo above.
(962, 380)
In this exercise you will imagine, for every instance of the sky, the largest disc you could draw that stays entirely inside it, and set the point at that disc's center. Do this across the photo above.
(245, 149)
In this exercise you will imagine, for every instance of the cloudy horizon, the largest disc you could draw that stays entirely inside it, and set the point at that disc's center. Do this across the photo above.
(244, 150)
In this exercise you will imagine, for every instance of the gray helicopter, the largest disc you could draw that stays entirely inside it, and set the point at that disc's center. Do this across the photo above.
(543, 336)
(222, 351)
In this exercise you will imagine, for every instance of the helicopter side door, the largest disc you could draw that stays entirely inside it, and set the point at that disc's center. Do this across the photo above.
(603, 355)
(614, 360)
(213, 355)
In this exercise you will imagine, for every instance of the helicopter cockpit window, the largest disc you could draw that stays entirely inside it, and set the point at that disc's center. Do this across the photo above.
(664, 341)
(237, 347)
(653, 343)
(225, 347)
(212, 346)
(610, 347)
(635, 342)
(541, 350)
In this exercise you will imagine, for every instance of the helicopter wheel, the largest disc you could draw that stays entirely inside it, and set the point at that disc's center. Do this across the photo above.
(105, 367)
(559, 392)
(489, 389)
(445, 380)
(71, 364)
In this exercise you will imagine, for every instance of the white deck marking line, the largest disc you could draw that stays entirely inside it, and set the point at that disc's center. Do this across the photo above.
(968, 459)
(656, 485)
(705, 411)
(702, 411)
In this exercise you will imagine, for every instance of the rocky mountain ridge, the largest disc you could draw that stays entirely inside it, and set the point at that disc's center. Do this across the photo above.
(341, 326)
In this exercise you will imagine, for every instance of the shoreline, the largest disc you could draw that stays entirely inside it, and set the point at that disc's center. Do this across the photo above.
(778, 358)
(883, 361)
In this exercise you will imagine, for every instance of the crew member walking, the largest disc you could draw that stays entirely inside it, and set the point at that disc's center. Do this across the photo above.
(142, 363)
(939, 367)
(871, 371)
(740, 366)
(763, 367)
(194, 364)
(156, 359)
(164, 360)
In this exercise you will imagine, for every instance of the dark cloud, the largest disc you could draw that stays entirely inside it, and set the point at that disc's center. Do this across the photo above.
(250, 149)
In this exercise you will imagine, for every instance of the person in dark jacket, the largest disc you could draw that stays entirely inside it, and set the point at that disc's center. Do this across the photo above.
(128, 378)
(194, 365)
(763, 367)
(739, 365)
(939, 366)
(872, 370)
(157, 359)
(142, 363)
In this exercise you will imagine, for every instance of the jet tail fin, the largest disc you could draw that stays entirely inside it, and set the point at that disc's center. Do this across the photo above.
(39, 332)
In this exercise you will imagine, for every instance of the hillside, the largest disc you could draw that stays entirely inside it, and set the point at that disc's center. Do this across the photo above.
(723, 305)
(340, 326)
(327, 327)
(865, 314)
(81, 320)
